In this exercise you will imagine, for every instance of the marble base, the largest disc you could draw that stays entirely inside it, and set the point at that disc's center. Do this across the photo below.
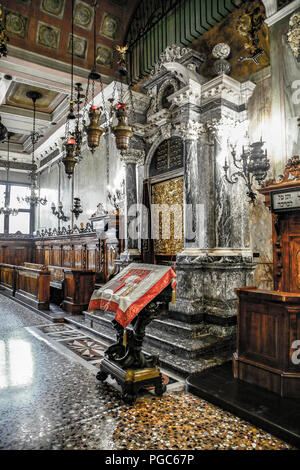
(206, 286)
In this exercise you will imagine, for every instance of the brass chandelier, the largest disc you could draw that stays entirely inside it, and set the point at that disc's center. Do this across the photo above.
(96, 115)
(34, 199)
(123, 131)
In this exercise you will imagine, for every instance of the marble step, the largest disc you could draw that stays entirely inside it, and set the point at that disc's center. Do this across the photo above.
(168, 361)
(168, 342)
(178, 328)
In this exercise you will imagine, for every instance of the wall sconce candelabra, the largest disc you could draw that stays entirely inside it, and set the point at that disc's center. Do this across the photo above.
(77, 209)
(116, 198)
(253, 163)
(59, 213)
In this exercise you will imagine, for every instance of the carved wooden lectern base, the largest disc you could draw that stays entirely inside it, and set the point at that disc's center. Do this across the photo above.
(126, 362)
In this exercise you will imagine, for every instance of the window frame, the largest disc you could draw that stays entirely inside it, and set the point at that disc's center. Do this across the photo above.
(8, 185)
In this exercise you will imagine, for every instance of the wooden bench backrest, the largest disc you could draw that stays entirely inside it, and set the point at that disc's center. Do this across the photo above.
(57, 273)
(34, 265)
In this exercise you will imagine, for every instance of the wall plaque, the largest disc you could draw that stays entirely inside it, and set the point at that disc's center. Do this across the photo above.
(167, 157)
(286, 200)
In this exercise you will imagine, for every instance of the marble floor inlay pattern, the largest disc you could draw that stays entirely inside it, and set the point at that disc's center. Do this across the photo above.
(50, 399)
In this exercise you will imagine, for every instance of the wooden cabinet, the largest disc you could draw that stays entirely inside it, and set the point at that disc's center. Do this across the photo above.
(268, 327)
(269, 321)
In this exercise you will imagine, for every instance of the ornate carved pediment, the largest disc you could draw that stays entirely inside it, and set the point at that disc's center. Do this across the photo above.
(291, 173)
(171, 54)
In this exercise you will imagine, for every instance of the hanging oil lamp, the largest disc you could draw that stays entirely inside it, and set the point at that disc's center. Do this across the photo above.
(94, 130)
(122, 131)
(69, 159)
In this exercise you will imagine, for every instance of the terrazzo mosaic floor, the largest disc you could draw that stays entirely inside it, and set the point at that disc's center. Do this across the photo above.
(50, 399)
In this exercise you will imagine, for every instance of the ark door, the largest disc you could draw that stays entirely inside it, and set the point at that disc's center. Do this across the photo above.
(163, 197)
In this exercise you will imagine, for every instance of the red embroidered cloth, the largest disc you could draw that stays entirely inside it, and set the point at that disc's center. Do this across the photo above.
(131, 290)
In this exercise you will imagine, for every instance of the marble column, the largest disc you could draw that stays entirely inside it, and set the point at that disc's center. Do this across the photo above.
(189, 300)
(131, 158)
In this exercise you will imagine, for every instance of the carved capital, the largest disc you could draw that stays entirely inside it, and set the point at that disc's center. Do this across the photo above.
(133, 156)
(189, 130)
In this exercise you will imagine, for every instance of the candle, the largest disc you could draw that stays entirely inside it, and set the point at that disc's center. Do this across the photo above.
(71, 141)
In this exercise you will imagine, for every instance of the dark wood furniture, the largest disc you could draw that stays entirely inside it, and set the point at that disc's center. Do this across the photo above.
(33, 287)
(8, 277)
(78, 286)
(70, 288)
(269, 321)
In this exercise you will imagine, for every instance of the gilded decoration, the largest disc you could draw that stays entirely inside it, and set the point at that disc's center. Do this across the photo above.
(83, 15)
(48, 36)
(53, 7)
(293, 34)
(105, 56)
(15, 24)
(80, 46)
(110, 26)
(170, 193)
(291, 173)
(245, 32)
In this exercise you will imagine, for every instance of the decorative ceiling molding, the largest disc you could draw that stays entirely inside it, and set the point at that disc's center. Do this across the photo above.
(285, 11)
(270, 6)
(53, 64)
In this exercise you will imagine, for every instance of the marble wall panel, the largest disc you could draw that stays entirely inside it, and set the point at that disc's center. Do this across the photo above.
(285, 96)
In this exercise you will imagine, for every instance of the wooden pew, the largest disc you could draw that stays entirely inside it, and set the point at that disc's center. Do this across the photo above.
(8, 277)
(71, 288)
(33, 287)
(78, 287)
(33, 265)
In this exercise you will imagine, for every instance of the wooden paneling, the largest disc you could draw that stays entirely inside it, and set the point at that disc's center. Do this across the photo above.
(16, 251)
(8, 277)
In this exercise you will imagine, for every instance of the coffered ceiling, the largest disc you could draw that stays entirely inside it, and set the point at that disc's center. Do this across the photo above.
(43, 27)
(39, 58)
